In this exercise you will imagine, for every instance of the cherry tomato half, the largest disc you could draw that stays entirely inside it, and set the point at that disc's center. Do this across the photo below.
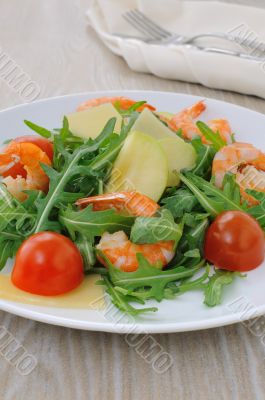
(235, 242)
(44, 144)
(48, 264)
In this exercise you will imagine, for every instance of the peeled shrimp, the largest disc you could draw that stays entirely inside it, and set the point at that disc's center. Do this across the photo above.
(29, 156)
(133, 203)
(122, 252)
(117, 247)
(185, 120)
(123, 102)
(246, 162)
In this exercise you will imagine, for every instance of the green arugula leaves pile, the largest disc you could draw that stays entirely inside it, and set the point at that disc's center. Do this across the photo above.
(80, 169)
(74, 160)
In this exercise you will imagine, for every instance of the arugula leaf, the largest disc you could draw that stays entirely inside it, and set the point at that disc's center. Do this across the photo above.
(64, 134)
(205, 155)
(194, 237)
(65, 131)
(188, 284)
(38, 129)
(147, 276)
(213, 137)
(8, 247)
(215, 201)
(15, 224)
(183, 201)
(193, 218)
(190, 247)
(91, 223)
(121, 301)
(63, 143)
(133, 108)
(155, 229)
(194, 253)
(13, 214)
(106, 158)
(212, 199)
(87, 250)
(258, 211)
(194, 284)
(214, 288)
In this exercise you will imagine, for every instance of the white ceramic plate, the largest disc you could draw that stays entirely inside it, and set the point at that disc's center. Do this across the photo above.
(244, 299)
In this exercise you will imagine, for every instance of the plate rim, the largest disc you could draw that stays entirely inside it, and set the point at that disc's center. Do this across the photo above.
(113, 91)
(119, 328)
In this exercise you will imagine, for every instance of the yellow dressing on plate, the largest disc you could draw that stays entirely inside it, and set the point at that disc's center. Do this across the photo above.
(88, 295)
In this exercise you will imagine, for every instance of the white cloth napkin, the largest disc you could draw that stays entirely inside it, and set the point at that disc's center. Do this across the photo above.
(186, 18)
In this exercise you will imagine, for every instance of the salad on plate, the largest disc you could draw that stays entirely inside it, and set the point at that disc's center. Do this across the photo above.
(156, 203)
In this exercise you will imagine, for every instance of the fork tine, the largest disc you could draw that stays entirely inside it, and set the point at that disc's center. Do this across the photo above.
(147, 26)
(139, 25)
(153, 25)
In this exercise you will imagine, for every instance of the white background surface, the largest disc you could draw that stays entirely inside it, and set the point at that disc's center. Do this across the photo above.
(52, 43)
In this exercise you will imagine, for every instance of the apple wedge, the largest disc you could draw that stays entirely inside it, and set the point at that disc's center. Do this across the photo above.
(89, 123)
(141, 165)
(179, 155)
(149, 124)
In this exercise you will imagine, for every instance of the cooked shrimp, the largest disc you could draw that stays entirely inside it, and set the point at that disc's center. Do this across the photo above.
(122, 252)
(117, 247)
(29, 156)
(185, 120)
(123, 102)
(246, 162)
(133, 203)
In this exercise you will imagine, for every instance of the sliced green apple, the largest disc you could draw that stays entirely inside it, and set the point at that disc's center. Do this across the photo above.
(180, 155)
(89, 123)
(141, 165)
(149, 124)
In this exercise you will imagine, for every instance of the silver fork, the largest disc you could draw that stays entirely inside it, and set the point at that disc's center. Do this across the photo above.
(156, 34)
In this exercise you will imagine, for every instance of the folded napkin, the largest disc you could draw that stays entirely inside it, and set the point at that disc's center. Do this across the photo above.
(179, 62)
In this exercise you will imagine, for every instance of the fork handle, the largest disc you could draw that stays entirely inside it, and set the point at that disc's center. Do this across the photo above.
(218, 35)
(248, 43)
(194, 46)
(227, 52)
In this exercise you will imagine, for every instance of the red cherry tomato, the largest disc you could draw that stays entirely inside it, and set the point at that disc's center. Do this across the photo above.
(44, 144)
(48, 264)
(235, 242)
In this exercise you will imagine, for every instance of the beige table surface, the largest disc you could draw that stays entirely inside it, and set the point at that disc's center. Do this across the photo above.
(50, 40)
